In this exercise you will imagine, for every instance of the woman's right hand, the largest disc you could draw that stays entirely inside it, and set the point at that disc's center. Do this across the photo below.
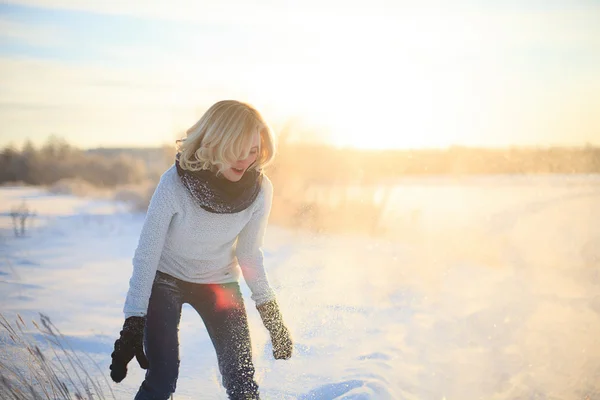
(131, 343)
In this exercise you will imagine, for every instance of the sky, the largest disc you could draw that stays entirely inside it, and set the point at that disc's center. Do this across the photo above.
(370, 73)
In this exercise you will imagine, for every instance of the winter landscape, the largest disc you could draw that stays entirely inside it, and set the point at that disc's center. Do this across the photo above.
(481, 288)
(435, 226)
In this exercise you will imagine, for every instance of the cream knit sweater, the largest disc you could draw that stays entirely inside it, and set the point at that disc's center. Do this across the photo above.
(183, 240)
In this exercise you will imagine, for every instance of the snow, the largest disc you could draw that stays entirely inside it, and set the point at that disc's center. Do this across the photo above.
(485, 288)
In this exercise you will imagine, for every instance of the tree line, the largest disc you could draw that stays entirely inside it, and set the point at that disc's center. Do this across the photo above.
(56, 159)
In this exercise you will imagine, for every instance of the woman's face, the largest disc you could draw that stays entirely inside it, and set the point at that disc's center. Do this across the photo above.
(236, 171)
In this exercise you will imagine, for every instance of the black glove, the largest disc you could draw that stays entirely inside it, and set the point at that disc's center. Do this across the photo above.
(280, 336)
(128, 345)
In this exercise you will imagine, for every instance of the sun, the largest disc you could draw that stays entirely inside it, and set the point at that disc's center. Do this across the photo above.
(371, 129)
(414, 117)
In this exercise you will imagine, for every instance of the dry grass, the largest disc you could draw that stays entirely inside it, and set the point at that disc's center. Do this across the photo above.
(27, 372)
(350, 216)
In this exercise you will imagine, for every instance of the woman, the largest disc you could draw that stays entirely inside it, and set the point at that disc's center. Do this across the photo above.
(205, 224)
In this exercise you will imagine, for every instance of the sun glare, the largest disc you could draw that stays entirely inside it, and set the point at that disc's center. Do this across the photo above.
(412, 96)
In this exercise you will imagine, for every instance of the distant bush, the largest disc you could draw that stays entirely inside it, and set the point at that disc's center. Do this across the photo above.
(137, 197)
(73, 186)
(13, 184)
(332, 210)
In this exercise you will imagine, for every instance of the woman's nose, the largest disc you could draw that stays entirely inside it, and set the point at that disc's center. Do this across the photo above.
(241, 163)
(244, 161)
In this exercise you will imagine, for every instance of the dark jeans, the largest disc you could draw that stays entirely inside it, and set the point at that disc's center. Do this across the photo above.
(222, 310)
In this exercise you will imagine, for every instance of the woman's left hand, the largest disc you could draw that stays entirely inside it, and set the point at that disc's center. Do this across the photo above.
(280, 335)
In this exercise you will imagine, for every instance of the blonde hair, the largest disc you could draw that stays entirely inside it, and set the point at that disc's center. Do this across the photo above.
(223, 135)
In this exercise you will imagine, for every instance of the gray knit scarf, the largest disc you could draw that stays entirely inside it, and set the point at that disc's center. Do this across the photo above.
(217, 194)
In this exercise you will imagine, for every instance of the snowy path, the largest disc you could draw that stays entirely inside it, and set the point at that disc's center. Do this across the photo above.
(493, 292)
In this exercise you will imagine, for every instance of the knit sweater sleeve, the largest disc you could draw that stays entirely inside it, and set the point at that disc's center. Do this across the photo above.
(147, 254)
(249, 248)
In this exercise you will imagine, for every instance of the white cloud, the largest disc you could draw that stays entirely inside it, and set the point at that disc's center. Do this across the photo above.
(178, 10)
(36, 35)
